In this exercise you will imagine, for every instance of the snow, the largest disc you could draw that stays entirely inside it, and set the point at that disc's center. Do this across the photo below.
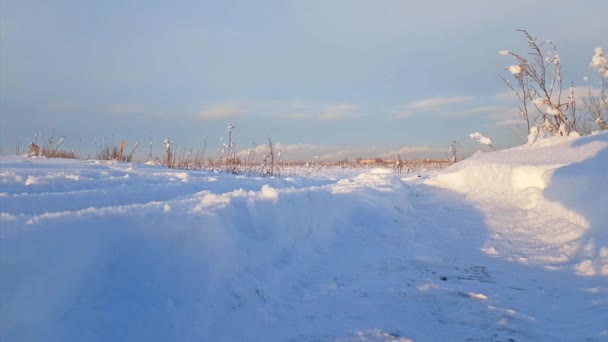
(508, 245)
(514, 69)
(599, 62)
(552, 111)
(481, 138)
(557, 183)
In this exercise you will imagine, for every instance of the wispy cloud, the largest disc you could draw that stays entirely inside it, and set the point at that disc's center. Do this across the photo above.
(338, 112)
(436, 103)
(288, 109)
(429, 105)
(222, 111)
(312, 111)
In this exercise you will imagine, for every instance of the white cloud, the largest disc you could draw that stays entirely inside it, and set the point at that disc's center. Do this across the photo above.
(320, 112)
(222, 111)
(338, 112)
(290, 109)
(442, 105)
(436, 103)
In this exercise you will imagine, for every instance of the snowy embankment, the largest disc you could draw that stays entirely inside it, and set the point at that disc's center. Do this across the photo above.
(94, 251)
(88, 245)
(560, 186)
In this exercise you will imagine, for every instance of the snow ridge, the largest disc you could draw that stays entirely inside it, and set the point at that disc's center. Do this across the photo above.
(555, 178)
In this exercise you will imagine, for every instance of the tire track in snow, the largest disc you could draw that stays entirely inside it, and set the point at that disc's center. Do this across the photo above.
(113, 185)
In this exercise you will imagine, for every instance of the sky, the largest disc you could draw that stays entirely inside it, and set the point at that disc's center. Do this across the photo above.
(329, 78)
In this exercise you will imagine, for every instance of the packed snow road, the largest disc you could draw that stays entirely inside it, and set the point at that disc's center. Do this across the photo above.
(126, 252)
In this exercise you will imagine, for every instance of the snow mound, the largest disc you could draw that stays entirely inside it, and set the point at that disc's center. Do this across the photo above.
(565, 179)
(103, 251)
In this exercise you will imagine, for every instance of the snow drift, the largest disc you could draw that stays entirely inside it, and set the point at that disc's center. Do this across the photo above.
(563, 178)
(115, 248)
(95, 251)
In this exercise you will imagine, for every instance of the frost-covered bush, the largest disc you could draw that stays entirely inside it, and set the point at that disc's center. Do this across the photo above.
(595, 104)
(539, 87)
(480, 138)
(599, 62)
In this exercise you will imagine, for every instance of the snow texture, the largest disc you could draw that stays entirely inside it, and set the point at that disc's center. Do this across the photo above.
(561, 179)
(97, 251)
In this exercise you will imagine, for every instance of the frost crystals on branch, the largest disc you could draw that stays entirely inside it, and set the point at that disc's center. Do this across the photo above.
(169, 153)
(453, 149)
(599, 62)
(482, 139)
(596, 104)
(538, 87)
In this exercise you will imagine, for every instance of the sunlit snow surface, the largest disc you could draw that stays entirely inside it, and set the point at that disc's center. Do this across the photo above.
(96, 251)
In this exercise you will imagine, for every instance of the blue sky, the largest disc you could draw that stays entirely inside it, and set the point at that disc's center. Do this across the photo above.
(340, 78)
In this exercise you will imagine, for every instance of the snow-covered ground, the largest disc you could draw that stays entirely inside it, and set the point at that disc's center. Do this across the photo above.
(505, 246)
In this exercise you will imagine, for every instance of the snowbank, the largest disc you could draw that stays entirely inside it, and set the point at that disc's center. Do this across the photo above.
(102, 251)
(562, 178)
(94, 251)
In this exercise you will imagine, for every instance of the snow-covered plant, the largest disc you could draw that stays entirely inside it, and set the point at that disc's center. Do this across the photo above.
(150, 152)
(168, 153)
(61, 140)
(482, 139)
(129, 157)
(230, 151)
(50, 150)
(596, 106)
(599, 62)
(453, 149)
(538, 87)
(268, 163)
(310, 166)
(398, 166)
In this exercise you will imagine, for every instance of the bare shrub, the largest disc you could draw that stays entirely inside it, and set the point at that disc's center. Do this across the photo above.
(538, 86)
(596, 106)
(51, 149)
(113, 152)
(268, 162)
(169, 159)
(108, 152)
